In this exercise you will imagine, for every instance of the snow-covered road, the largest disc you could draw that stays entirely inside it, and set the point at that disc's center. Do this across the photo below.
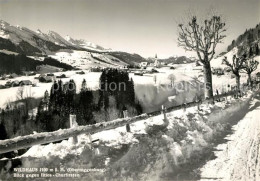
(239, 158)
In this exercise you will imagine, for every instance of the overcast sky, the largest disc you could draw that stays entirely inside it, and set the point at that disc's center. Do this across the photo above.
(145, 27)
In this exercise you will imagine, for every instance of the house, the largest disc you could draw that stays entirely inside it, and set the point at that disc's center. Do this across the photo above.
(13, 75)
(15, 83)
(29, 73)
(45, 79)
(8, 84)
(95, 69)
(81, 72)
(140, 73)
(50, 75)
(25, 82)
(61, 76)
(227, 69)
(143, 64)
(217, 71)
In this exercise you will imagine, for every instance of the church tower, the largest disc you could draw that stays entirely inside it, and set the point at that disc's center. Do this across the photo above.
(156, 62)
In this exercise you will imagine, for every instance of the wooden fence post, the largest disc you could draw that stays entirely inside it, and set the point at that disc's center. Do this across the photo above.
(164, 113)
(184, 106)
(128, 129)
(73, 123)
(198, 105)
(218, 99)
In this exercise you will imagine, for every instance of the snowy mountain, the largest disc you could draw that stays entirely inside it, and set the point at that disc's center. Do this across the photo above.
(79, 53)
(83, 44)
(44, 43)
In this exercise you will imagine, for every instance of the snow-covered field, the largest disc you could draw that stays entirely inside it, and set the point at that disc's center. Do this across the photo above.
(86, 60)
(146, 88)
(38, 91)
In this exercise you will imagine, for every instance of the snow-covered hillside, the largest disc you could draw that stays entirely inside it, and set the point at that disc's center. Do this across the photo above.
(218, 62)
(86, 60)
(84, 44)
(148, 151)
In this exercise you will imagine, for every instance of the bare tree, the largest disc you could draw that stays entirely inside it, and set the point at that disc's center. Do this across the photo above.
(250, 65)
(236, 66)
(20, 93)
(203, 38)
(172, 78)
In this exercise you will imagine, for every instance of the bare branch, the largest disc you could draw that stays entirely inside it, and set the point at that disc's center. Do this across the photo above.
(202, 38)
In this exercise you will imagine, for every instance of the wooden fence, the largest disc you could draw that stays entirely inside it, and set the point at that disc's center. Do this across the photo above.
(23, 142)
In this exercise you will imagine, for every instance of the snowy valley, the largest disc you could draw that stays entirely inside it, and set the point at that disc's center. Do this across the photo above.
(71, 109)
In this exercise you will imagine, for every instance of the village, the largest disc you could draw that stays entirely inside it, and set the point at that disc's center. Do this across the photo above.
(129, 90)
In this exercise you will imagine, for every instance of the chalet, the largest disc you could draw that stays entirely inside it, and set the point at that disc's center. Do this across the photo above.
(81, 72)
(61, 76)
(227, 69)
(25, 82)
(8, 84)
(143, 64)
(15, 83)
(140, 73)
(28, 73)
(13, 75)
(45, 79)
(50, 75)
(218, 71)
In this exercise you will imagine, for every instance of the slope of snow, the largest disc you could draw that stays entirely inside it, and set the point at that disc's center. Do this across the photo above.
(217, 62)
(86, 60)
(151, 152)
(149, 92)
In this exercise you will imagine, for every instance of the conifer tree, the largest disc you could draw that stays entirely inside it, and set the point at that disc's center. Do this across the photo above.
(86, 104)
(3, 133)
(257, 49)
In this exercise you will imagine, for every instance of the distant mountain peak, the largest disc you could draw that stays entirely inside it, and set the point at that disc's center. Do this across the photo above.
(39, 31)
(2, 22)
(39, 40)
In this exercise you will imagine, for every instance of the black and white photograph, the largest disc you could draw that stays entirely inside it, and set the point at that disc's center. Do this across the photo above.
(129, 90)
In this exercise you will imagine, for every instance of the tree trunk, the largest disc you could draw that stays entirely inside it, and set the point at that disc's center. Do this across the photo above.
(249, 79)
(208, 91)
(238, 83)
